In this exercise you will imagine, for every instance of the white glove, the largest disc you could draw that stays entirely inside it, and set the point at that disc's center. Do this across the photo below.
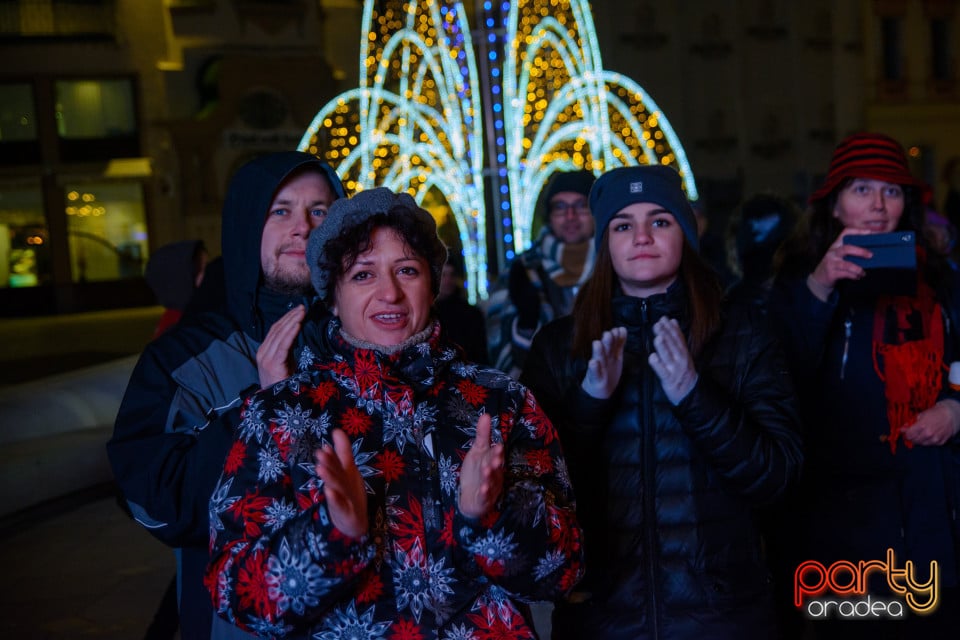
(671, 360)
(606, 364)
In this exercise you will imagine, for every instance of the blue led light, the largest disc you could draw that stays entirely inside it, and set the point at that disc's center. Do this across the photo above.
(507, 237)
(510, 254)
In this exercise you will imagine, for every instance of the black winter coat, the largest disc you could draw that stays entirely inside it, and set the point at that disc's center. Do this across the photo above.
(666, 494)
(858, 499)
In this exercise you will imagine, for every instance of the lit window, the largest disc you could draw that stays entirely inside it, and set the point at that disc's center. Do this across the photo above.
(94, 108)
(17, 118)
(19, 141)
(96, 119)
(24, 239)
(107, 230)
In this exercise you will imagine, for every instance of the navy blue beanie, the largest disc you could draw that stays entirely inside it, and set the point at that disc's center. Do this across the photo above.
(619, 188)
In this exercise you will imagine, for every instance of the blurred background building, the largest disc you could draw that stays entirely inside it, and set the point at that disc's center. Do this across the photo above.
(121, 120)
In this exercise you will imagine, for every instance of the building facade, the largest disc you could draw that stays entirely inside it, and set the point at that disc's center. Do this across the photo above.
(122, 120)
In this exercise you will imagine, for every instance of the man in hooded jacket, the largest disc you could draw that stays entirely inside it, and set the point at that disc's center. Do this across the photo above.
(175, 423)
(542, 282)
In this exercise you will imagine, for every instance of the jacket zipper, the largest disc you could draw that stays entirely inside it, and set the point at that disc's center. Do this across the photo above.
(647, 427)
(847, 328)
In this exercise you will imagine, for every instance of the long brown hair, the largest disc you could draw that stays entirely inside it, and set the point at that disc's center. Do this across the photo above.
(593, 307)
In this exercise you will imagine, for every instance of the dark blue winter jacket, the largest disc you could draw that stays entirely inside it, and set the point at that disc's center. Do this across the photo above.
(859, 498)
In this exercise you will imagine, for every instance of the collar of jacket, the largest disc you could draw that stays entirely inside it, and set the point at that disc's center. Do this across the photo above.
(638, 315)
(419, 365)
(270, 307)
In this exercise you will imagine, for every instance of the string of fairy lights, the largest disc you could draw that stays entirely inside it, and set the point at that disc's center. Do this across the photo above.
(424, 119)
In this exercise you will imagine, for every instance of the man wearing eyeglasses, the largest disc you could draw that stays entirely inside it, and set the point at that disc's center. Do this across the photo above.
(543, 281)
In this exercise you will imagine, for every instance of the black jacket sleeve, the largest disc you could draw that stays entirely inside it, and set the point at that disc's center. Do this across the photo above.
(802, 321)
(173, 431)
(752, 440)
(554, 376)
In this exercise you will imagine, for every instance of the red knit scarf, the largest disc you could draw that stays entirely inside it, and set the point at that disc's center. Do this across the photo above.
(910, 365)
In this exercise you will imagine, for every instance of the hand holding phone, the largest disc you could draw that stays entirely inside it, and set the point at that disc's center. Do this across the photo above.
(834, 266)
(895, 250)
(891, 269)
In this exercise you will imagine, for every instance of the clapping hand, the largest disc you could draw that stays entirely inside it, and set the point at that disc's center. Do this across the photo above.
(671, 360)
(273, 356)
(606, 364)
(342, 486)
(481, 476)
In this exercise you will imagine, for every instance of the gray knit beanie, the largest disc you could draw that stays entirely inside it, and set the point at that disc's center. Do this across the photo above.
(347, 213)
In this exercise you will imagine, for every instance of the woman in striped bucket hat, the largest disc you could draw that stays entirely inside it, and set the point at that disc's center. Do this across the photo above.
(870, 365)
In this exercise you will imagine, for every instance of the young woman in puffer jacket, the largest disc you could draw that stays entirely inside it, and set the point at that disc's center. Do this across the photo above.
(678, 420)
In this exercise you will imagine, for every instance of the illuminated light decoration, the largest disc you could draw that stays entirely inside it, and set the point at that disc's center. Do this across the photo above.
(416, 122)
(415, 118)
(563, 111)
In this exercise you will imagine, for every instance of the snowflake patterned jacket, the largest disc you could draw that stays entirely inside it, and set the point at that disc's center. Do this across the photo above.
(280, 568)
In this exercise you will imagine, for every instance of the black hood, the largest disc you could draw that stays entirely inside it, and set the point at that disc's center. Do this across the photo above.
(248, 197)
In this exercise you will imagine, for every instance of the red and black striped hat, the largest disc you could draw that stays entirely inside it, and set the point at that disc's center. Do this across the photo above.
(867, 155)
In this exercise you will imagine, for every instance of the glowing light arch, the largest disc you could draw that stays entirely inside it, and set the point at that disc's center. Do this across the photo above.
(415, 123)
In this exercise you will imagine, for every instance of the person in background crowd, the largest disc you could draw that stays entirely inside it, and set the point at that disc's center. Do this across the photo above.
(174, 272)
(211, 295)
(754, 233)
(177, 418)
(941, 236)
(390, 488)
(464, 323)
(542, 282)
(951, 201)
(869, 357)
(678, 419)
(712, 248)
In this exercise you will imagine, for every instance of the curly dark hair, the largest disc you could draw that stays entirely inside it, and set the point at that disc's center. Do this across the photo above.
(342, 252)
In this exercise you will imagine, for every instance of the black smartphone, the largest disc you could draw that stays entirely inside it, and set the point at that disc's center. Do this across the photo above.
(894, 250)
(892, 268)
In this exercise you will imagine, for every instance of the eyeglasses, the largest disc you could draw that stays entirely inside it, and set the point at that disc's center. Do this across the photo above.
(562, 209)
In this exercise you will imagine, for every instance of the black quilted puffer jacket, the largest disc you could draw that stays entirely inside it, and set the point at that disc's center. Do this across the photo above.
(667, 495)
